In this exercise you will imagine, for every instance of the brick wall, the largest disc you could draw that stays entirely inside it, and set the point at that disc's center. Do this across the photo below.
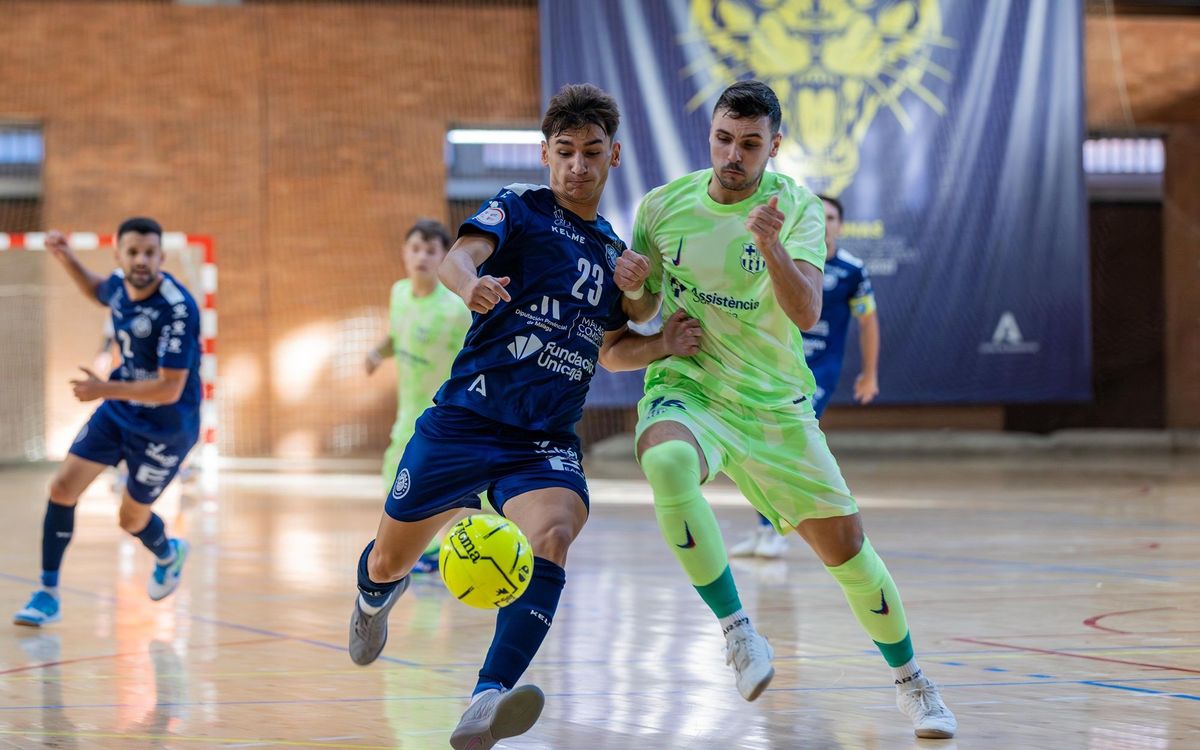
(305, 138)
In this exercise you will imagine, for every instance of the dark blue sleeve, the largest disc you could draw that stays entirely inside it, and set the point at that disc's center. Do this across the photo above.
(501, 217)
(107, 287)
(179, 342)
(617, 316)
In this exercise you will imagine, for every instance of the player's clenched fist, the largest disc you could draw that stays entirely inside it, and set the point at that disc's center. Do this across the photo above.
(632, 271)
(681, 334)
(485, 292)
(764, 224)
(56, 245)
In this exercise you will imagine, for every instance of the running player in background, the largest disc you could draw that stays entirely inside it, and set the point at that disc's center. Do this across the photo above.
(150, 415)
(847, 294)
(544, 275)
(426, 326)
(738, 253)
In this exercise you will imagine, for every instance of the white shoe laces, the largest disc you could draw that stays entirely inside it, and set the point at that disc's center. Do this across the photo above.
(744, 649)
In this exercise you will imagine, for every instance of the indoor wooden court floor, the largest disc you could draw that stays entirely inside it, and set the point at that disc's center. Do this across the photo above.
(1057, 601)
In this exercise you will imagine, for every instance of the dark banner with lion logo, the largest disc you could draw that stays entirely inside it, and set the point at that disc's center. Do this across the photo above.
(951, 131)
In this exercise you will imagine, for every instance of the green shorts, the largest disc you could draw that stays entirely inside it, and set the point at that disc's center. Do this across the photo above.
(778, 458)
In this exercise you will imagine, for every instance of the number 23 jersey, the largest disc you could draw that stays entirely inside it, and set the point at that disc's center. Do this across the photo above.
(528, 362)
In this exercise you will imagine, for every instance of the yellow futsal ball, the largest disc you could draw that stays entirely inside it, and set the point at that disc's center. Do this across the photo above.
(486, 561)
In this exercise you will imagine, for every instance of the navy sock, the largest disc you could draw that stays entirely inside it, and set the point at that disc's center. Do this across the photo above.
(154, 536)
(56, 535)
(374, 594)
(763, 520)
(521, 627)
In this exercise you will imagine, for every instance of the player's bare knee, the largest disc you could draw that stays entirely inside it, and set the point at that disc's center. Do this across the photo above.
(552, 542)
(133, 518)
(62, 493)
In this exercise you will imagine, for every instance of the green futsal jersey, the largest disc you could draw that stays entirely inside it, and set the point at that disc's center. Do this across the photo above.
(705, 262)
(427, 333)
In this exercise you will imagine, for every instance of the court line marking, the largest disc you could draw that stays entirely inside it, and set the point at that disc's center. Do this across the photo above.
(124, 655)
(1091, 621)
(647, 693)
(1148, 691)
(97, 596)
(1053, 652)
(226, 742)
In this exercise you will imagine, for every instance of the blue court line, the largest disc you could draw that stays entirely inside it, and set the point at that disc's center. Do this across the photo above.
(1019, 565)
(1148, 691)
(628, 694)
(97, 596)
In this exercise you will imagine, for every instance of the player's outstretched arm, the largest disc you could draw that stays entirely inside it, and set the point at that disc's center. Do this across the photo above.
(458, 272)
(87, 281)
(166, 388)
(377, 355)
(624, 350)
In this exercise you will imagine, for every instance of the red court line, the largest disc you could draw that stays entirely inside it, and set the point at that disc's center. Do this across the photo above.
(1091, 621)
(102, 657)
(1052, 652)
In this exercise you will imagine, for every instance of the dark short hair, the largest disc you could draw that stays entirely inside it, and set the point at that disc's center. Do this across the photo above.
(141, 225)
(578, 105)
(836, 204)
(752, 99)
(430, 230)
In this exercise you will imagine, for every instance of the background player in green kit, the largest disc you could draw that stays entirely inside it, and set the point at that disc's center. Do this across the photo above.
(737, 253)
(426, 326)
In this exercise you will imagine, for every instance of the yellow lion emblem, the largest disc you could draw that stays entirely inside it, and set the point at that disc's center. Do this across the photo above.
(833, 63)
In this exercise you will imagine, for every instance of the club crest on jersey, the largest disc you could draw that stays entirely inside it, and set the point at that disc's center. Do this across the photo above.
(141, 326)
(403, 482)
(752, 262)
(492, 215)
(612, 252)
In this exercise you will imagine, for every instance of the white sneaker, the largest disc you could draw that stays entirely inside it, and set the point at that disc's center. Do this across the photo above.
(921, 702)
(747, 547)
(496, 714)
(750, 654)
(770, 543)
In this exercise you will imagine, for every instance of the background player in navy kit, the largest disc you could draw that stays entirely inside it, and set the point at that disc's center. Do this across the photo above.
(150, 416)
(847, 294)
(544, 274)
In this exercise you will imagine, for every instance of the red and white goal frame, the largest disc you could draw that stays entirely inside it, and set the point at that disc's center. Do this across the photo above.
(206, 296)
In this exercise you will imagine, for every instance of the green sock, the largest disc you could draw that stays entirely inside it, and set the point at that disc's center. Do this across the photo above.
(688, 525)
(875, 601)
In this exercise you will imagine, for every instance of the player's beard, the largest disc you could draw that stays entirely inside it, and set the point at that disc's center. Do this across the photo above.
(140, 279)
(745, 183)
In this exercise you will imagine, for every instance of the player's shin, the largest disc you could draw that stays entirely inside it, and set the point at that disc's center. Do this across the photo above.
(57, 529)
(875, 601)
(521, 627)
(688, 525)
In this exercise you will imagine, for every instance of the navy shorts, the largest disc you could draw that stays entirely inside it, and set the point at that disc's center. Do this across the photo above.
(821, 399)
(456, 454)
(152, 462)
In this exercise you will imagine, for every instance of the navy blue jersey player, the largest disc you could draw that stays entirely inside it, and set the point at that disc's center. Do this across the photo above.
(150, 411)
(544, 275)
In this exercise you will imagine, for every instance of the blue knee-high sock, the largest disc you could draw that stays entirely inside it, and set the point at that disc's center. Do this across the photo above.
(374, 594)
(521, 627)
(764, 521)
(154, 536)
(57, 529)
